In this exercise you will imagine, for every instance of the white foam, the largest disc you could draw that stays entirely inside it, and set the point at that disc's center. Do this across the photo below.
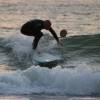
(22, 46)
(50, 81)
(76, 81)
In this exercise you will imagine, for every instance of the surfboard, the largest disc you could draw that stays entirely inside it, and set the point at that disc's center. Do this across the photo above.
(46, 59)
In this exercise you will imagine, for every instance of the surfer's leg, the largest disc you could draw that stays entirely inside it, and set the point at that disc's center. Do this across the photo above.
(36, 40)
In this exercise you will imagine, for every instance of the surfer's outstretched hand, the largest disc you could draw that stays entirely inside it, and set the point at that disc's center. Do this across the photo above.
(60, 44)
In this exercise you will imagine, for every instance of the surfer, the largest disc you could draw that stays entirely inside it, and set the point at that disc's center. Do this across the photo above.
(34, 27)
(63, 33)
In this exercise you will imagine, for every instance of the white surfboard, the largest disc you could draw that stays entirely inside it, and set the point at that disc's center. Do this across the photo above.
(44, 58)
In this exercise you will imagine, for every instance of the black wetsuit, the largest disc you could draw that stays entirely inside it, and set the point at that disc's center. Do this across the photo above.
(33, 28)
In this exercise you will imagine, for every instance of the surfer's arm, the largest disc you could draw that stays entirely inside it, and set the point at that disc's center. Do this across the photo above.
(54, 34)
(36, 40)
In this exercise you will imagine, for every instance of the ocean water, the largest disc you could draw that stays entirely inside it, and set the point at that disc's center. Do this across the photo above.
(77, 77)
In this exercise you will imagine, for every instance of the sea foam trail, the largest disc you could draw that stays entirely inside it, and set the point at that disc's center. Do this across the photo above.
(23, 44)
(21, 48)
(57, 81)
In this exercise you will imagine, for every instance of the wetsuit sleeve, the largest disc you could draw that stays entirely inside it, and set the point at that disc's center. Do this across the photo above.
(36, 40)
(54, 34)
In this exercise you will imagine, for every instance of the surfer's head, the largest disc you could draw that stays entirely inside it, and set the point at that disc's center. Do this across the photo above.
(63, 33)
(47, 24)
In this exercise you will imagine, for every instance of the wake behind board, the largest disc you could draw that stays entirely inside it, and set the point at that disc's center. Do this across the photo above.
(46, 59)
